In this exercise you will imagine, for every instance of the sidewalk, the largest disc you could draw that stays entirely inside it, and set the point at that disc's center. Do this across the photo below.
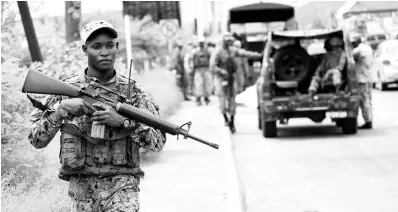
(188, 175)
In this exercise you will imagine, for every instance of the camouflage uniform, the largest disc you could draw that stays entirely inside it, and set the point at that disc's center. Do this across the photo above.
(223, 59)
(103, 173)
(363, 63)
(329, 71)
(202, 74)
(188, 64)
(182, 80)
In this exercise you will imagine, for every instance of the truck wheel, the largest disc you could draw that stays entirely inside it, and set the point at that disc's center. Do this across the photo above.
(349, 125)
(269, 129)
(291, 64)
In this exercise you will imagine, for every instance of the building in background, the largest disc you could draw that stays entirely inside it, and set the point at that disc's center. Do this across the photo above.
(361, 16)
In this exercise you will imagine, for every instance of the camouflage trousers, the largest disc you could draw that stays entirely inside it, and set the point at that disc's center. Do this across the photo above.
(365, 90)
(182, 83)
(104, 194)
(226, 96)
(202, 81)
(332, 77)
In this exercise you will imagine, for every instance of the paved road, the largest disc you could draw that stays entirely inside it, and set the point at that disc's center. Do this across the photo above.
(313, 167)
(187, 175)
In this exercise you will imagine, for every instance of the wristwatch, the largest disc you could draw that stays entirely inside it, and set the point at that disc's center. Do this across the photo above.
(126, 123)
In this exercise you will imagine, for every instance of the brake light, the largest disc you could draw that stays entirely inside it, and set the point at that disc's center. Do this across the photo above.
(386, 62)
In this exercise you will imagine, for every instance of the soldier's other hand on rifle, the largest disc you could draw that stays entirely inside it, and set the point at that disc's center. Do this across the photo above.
(76, 107)
(107, 116)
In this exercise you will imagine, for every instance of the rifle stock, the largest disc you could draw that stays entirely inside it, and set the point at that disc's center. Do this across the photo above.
(37, 82)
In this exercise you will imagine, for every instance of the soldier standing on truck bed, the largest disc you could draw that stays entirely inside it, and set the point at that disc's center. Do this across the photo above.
(224, 68)
(202, 74)
(330, 70)
(363, 62)
(103, 169)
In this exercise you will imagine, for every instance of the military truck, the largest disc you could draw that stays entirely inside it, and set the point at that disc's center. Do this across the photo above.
(290, 60)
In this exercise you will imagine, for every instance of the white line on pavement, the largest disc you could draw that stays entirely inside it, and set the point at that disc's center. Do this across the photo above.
(235, 198)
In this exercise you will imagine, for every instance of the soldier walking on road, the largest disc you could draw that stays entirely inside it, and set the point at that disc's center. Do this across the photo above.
(363, 56)
(103, 170)
(224, 68)
(202, 74)
(181, 74)
(188, 65)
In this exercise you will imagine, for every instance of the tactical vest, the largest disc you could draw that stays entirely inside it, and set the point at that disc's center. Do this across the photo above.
(81, 154)
(201, 59)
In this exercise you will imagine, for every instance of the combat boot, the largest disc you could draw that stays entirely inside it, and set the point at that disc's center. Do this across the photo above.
(207, 100)
(367, 125)
(198, 101)
(232, 124)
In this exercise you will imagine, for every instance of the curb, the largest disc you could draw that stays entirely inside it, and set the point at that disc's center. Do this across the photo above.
(235, 197)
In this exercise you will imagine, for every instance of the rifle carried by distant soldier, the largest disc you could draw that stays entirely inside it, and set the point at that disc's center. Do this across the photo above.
(39, 83)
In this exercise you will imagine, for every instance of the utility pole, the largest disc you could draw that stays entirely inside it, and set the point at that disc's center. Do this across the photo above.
(72, 20)
(30, 33)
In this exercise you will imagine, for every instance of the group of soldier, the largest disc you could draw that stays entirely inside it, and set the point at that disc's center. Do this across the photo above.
(332, 67)
(205, 68)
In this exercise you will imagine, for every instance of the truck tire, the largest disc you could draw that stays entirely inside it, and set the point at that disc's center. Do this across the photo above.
(269, 129)
(349, 125)
(292, 63)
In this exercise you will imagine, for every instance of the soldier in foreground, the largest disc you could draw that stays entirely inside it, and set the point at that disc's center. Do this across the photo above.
(103, 168)
(328, 73)
(224, 68)
(363, 56)
(202, 74)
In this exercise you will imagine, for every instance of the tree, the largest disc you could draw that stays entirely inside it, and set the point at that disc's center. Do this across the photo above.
(29, 31)
(73, 15)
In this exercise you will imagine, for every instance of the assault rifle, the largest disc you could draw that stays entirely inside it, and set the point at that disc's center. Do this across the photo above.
(39, 83)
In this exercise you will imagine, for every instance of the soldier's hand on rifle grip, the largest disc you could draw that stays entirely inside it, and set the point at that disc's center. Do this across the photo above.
(76, 107)
(107, 115)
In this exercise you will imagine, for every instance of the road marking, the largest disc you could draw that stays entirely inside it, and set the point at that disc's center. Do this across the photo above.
(235, 198)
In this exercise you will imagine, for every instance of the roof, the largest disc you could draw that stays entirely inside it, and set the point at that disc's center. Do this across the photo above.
(307, 34)
(373, 6)
(261, 12)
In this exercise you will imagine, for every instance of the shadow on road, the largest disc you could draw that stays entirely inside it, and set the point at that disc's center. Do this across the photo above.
(309, 131)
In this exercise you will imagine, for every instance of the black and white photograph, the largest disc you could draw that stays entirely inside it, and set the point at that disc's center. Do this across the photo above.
(199, 105)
